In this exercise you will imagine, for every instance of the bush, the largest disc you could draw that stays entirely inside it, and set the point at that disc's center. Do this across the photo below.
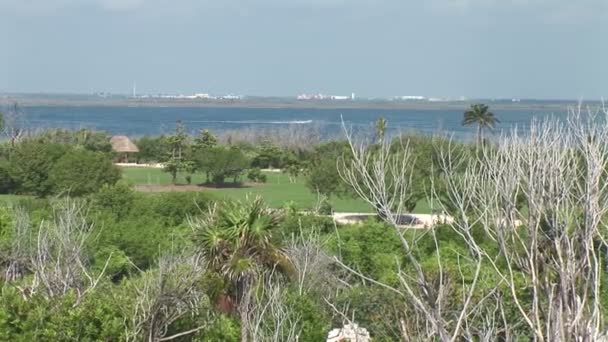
(221, 163)
(256, 175)
(7, 184)
(296, 223)
(378, 310)
(314, 321)
(31, 163)
(95, 318)
(117, 198)
(81, 172)
(373, 248)
(324, 207)
(174, 208)
(322, 173)
(144, 226)
(152, 149)
(142, 239)
(269, 156)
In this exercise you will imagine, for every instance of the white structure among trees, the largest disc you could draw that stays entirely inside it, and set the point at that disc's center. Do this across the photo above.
(349, 333)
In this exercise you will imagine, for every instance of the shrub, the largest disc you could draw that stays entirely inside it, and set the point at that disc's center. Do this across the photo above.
(378, 310)
(31, 163)
(324, 207)
(322, 173)
(313, 321)
(95, 318)
(269, 156)
(81, 172)
(256, 175)
(221, 163)
(7, 184)
(152, 149)
(143, 226)
(117, 198)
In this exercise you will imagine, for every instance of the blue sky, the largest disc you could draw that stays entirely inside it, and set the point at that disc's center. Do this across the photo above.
(472, 48)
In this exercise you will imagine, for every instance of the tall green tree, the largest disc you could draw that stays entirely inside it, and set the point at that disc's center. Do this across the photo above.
(480, 115)
(220, 163)
(269, 156)
(322, 175)
(177, 150)
(204, 140)
(240, 242)
(153, 149)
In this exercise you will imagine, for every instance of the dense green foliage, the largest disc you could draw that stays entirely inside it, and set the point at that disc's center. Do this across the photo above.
(221, 163)
(82, 172)
(85, 138)
(152, 149)
(239, 239)
(45, 168)
(113, 264)
(322, 172)
(30, 164)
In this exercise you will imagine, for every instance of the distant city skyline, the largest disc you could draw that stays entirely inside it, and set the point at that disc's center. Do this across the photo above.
(311, 96)
(544, 49)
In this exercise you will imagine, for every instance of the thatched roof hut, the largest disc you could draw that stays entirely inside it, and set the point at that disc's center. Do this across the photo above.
(122, 144)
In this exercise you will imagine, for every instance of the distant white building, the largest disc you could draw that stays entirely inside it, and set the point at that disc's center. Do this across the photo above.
(340, 97)
(231, 97)
(303, 97)
(412, 98)
(312, 97)
(349, 333)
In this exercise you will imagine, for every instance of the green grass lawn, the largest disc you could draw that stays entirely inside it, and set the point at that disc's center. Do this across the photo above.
(276, 192)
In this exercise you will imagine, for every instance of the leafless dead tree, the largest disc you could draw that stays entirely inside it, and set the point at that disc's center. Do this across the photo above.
(312, 265)
(163, 296)
(14, 125)
(54, 253)
(294, 136)
(270, 319)
(16, 255)
(542, 197)
(381, 176)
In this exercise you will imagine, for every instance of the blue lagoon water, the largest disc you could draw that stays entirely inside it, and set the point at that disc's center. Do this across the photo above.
(139, 121)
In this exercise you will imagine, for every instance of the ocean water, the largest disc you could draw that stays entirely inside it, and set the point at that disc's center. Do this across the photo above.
(139, 121)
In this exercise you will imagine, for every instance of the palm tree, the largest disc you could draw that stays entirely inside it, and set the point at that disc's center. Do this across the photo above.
(480, 115)
(238, 242)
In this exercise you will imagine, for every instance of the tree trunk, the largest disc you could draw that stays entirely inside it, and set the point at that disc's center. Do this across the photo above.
(244, 311)
(478, 134)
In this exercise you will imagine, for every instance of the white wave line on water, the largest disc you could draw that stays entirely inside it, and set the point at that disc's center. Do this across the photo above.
(254, 122)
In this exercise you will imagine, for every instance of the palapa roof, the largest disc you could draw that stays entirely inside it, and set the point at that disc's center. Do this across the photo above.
(122, 144)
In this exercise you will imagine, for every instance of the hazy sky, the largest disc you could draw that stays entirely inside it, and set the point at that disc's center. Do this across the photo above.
(473, 48)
